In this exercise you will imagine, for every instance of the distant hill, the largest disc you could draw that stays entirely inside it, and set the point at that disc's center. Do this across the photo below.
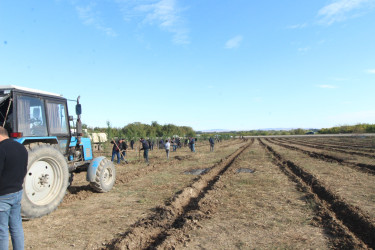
(276, 129)
(216, 131)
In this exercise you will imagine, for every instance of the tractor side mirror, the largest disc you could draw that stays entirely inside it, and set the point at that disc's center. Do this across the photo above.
(78, 109)
(70, 118)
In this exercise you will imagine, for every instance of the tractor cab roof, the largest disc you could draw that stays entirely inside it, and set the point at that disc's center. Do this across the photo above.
(5, 88)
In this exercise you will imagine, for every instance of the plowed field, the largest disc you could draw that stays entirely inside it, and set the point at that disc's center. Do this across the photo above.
(264, 193)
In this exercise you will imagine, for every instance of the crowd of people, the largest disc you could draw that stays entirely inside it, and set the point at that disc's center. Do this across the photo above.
(120, 146)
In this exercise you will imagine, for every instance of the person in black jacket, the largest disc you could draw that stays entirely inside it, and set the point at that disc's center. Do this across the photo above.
(13, 169)
(145, 149)
(116, 150)
(123, 147)
(212, 144)
(192, 144)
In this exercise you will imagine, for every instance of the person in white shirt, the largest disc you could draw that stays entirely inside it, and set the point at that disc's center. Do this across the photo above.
(167, 147)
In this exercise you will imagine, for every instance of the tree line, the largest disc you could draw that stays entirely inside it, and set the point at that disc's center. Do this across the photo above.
(138, 130)
(356, 129)
(345, 129)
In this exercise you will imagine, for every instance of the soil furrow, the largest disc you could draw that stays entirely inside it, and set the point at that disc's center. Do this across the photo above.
(366, 168)
(350, 226)
(337, 145)
(346, 142)
(330, 148)
(150, 232)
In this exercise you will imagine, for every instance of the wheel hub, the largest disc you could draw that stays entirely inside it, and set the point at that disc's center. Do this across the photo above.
(107, 175)
(41, 181)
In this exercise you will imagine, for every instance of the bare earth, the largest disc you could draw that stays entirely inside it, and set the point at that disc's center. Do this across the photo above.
(255, 194)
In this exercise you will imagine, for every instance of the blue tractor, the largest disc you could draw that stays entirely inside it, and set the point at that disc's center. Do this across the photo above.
(40, 121)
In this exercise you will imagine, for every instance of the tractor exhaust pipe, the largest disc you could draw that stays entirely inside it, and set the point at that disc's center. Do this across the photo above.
(79, 122)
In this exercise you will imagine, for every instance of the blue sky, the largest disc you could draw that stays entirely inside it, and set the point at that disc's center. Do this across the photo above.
(208, 64)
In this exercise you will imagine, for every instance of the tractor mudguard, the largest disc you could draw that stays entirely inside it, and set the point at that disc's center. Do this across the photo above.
(91, 170)
(45, 139)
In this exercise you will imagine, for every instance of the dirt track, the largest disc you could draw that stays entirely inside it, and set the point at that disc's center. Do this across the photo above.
(284, 201)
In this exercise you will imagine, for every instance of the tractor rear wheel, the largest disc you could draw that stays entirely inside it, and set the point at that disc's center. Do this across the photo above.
(105, 177)
(46, 180)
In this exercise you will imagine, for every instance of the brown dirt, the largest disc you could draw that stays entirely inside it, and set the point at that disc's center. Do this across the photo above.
(346, 150)
(365, 165)
(350, 223)
(157, 206)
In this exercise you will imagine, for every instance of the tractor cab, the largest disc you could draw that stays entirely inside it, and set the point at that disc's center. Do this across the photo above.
(31, 115)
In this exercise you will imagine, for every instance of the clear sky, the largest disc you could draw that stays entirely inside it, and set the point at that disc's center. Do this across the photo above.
(208, 64)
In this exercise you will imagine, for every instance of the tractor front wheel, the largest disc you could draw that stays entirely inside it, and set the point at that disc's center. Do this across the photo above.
(105, 176)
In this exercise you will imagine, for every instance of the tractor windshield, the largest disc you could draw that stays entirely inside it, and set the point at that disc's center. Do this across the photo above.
(31, 116)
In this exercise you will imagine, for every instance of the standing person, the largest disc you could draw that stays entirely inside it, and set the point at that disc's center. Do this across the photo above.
(149, 144)
(132, 144)
(13, 168)
(145, 149)
(192, 145)
(212, 144)
(123, 147)
(167, 147)
(116, 150)
(174, 145)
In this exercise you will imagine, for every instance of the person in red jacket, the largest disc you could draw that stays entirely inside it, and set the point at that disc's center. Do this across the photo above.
(13, 168)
